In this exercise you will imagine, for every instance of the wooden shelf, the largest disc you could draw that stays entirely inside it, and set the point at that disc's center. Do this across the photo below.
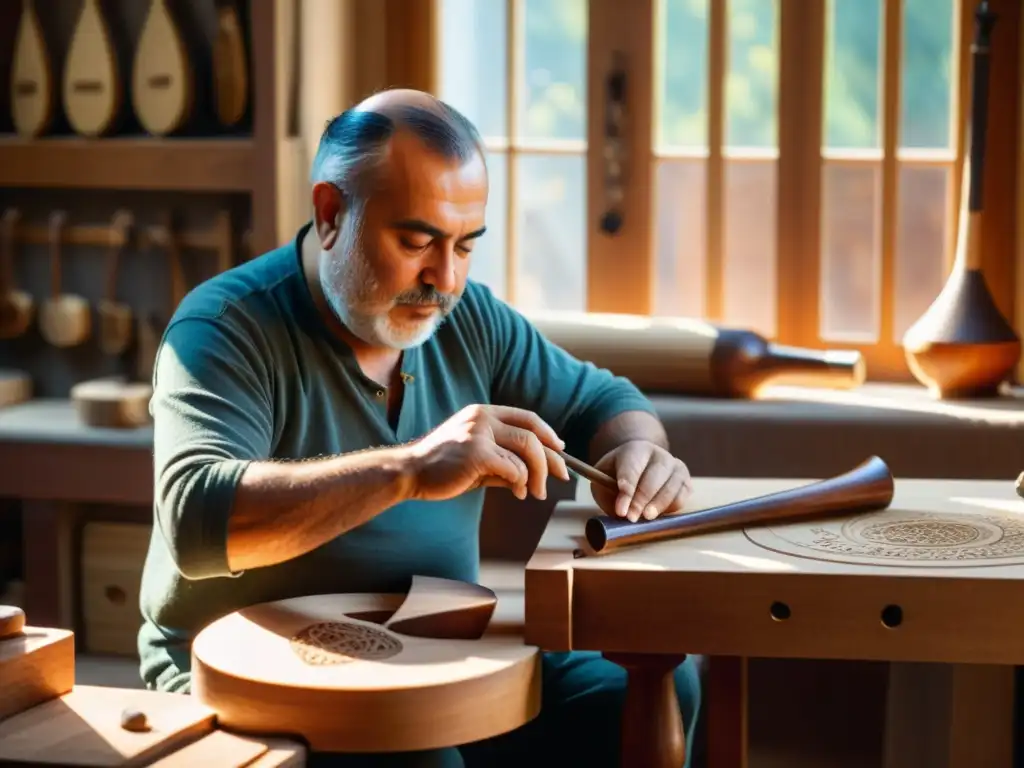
(185, 165)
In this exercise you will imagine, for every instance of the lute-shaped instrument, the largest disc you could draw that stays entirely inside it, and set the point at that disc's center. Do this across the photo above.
(32, 90)
(230, 73)
(162, 76)
(92, 74)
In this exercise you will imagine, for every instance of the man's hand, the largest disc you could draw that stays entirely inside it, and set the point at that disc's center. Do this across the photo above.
(652, 481)
(485, 445)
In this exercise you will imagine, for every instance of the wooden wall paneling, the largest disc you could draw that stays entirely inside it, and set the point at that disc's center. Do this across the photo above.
(892, 59)
(410, 43)
(714, 169)
(327, 67)
(798, 232)
(999, 223)
(275, 136)
(621, 267)
(1020, 203)
(371, 46)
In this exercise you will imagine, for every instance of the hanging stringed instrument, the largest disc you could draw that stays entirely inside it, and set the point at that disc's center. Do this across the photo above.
(92, 74)
(163, 91)
(32, 90)
(230, 73)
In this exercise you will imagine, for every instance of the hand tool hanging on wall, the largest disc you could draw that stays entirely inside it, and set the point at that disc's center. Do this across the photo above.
(15, 312)
(64, 318)
(115, 317)
(16, 307)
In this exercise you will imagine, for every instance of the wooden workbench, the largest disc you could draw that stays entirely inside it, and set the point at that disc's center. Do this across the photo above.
(927, 583)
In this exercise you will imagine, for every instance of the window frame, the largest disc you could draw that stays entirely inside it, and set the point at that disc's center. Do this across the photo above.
(621, 269)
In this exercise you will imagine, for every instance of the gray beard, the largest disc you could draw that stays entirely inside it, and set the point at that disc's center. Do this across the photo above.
(352, 291)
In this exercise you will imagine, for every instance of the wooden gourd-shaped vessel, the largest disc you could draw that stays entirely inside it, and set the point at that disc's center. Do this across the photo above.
(369, 672)
(963, 346)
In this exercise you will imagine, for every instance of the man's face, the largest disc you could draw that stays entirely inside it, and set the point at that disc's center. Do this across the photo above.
(397, 268)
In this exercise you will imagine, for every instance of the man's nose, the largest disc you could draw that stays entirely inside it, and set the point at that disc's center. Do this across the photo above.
(441, 272)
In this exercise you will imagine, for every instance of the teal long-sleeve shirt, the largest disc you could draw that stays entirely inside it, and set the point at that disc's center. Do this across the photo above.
(249, 371)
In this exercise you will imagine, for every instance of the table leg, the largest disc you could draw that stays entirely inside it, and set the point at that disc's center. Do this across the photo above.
(726, 712)
(949, 715)
(48, 558)
(652, 725)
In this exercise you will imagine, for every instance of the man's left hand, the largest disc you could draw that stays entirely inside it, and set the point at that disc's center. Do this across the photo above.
(652, 481)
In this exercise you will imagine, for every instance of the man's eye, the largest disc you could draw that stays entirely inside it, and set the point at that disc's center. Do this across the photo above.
(413, 245)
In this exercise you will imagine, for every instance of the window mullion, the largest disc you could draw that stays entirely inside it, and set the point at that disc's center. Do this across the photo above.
(621, 265)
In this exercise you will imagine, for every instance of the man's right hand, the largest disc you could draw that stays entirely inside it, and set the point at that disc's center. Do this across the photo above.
(486, 445)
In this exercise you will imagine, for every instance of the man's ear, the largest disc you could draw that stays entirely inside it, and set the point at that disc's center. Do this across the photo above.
(328, 209)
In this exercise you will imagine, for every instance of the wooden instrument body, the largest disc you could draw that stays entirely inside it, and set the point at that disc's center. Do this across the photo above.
(865, 488)
(33, 97)
(688, 356)
(230, 68)
(92, 83)
(336, 670)
(926, 579)
(162, 74)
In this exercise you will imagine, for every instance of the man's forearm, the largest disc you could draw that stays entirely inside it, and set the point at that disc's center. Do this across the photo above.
(625, 427)
(285, 509)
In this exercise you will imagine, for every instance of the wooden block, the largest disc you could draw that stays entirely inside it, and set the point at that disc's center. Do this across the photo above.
(229, 750)
(282, 754)
(83, 728)
(36, 665)
(220, 748)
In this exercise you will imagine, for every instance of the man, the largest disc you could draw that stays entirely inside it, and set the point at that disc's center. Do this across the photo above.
(327, 416)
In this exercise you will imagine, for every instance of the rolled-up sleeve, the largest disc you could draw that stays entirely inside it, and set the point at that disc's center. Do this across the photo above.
(212, 416)
(574, 396)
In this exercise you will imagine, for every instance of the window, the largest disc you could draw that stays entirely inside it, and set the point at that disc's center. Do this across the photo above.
(518, 70)
(792, 166)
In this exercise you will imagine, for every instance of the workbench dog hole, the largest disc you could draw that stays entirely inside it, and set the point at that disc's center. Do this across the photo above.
(779, 611)
(892, 616)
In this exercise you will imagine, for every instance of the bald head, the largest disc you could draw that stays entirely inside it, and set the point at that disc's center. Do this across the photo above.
(355, 144)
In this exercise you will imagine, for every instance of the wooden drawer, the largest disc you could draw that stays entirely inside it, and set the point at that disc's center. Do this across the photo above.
(112, 559)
